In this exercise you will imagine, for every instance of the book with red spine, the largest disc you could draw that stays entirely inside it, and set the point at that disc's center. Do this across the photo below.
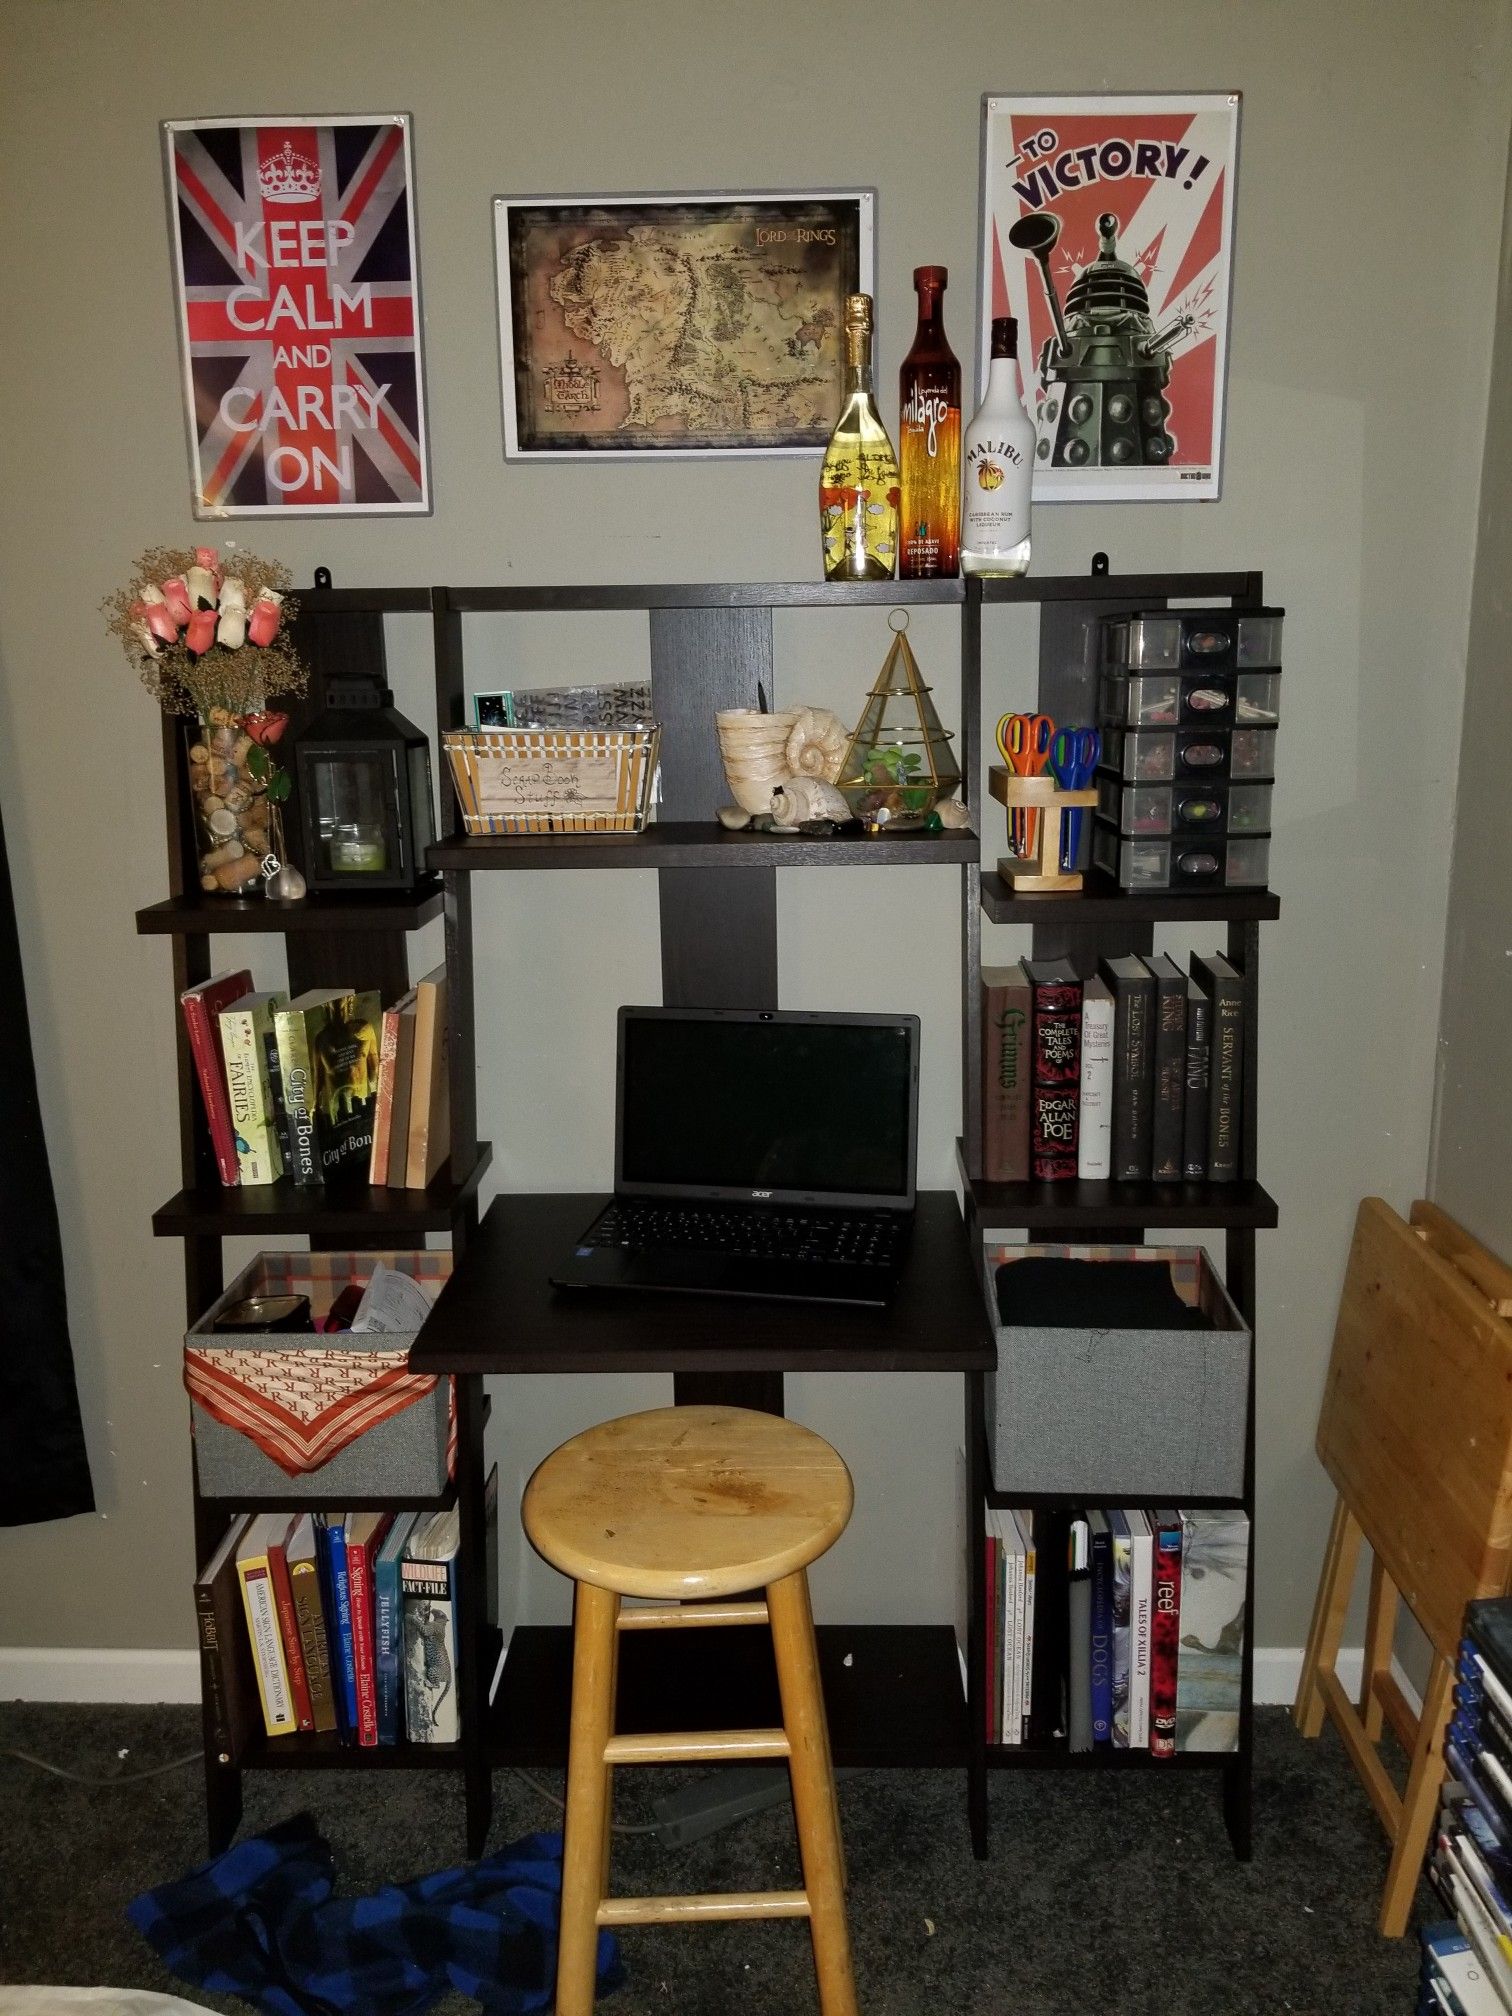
(1165, 1632)
(364, 1536)
(1057, 1068)
(288, 1625)
(201, 1008)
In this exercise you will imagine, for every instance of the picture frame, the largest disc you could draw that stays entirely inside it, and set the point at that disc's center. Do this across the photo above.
(297, 287)
(662, 327)
(1152, 296)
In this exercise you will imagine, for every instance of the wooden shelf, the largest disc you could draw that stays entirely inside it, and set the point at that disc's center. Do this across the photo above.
(348, 1211)
(387, 1501)
(898, 1701)
(500, 1315)
(1157, 589)
(1125, 1501)
(379, 910)
(702, 844)
(1056, 1757)
(1101, 901)
(1038, 1204)
(324, 1752)
(705, 595)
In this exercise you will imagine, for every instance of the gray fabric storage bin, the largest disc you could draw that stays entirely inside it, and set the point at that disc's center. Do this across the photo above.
(404, 1456)
(1104, 1414)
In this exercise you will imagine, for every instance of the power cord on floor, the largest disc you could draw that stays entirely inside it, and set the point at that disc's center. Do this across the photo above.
(125, 1778)
(554, 1799)
(194, 1757)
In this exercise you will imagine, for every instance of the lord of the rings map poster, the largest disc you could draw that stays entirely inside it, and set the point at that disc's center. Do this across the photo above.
(676, 325)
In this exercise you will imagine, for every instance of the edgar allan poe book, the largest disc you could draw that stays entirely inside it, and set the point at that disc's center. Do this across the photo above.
(1057, 1067)
(328, 1047)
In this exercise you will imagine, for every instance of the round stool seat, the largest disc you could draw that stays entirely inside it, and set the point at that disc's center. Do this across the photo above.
(688, 1502)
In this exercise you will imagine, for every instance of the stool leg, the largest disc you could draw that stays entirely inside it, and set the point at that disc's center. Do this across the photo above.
(583, 1851)
(792, 1623)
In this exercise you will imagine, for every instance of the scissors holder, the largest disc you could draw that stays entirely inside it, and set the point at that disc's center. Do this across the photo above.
(1042, 868)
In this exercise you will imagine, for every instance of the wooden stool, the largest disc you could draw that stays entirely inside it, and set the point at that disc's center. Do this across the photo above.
(688, 1506)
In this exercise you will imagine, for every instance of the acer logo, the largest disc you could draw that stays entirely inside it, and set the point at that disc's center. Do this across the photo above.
(761, 1193)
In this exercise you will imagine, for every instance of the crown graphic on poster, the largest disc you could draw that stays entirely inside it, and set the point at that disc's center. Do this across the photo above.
(288, 176)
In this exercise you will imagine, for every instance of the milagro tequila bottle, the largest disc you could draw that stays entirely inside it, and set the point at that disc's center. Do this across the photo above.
(929, 440)
(858, 484)
(998, 467)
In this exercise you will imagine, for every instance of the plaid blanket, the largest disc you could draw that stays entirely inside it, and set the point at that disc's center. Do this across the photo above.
(261, 1921)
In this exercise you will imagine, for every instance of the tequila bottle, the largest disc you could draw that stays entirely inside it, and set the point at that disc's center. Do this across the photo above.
(929, 441)
(999, 467)
(858, 484)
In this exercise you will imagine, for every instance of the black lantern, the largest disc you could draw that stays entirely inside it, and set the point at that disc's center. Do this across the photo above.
(365, 804)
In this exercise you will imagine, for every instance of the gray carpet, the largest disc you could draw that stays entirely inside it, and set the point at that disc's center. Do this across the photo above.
(1114, 1893)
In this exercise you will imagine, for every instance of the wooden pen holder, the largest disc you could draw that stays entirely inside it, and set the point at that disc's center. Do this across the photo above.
(1042, 869)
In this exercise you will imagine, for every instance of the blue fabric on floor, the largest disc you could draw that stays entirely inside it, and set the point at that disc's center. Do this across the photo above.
(262, 1921)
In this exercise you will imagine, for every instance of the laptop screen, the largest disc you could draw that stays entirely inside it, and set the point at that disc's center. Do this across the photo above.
(798, 1108)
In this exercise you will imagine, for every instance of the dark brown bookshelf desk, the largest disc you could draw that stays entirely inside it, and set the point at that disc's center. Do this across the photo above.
(893, 1692)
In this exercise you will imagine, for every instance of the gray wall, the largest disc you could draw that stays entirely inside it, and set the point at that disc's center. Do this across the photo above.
(1472, 1165)
(1369, 210)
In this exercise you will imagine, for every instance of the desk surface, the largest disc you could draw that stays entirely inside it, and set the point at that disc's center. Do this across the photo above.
(500, 1313)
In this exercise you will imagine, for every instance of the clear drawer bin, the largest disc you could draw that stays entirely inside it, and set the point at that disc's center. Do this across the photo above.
(1146, 755)
(1183, 861)
(1260, 637)
(1247, 862)
(1133, 808)
(1252, 752)
(1143, 643)
(1141, 700)
(1257, 699)
(1249, 808)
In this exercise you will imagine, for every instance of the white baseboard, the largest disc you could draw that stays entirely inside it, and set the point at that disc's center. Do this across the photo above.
(70, 1673)
(65, 1673)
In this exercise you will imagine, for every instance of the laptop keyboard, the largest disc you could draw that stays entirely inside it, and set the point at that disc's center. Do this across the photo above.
(862, 1239)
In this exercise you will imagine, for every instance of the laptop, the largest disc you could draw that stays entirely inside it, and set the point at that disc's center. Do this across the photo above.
(761, 1154)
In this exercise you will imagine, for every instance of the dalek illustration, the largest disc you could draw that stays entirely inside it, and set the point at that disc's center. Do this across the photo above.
(1106, 368)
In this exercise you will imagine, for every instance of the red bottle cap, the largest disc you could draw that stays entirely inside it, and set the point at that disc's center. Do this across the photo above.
(931, 276)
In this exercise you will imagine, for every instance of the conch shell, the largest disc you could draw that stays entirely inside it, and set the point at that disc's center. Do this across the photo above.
(798, 798)
(816, 745)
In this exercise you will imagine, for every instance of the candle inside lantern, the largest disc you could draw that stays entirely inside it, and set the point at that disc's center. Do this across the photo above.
(357, 849)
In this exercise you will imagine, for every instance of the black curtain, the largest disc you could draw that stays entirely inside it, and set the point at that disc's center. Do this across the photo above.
(44, 1467)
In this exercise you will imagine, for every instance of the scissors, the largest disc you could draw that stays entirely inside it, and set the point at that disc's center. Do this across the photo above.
(1074, 755)
(1023, 742)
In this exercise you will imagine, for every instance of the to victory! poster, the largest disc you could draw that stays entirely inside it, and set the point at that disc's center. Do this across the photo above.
(1107, 230)
(294, 261)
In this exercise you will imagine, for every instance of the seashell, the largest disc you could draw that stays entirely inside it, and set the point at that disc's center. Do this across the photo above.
(798, 798)
(955, 817)
(817, 744)
(734, 818)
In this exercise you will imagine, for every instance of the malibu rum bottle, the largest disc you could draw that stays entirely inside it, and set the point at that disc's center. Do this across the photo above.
(858, 484)
(929, 439)
(999, 467)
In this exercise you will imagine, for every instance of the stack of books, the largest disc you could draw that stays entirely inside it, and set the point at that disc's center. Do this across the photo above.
(1467, 1966)
(1117, 1630)
(1135, 1075)
(326, 1086)
(337, 1623)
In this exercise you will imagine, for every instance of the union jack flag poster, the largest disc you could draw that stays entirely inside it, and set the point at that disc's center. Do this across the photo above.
(299, 312)
(1107, 232)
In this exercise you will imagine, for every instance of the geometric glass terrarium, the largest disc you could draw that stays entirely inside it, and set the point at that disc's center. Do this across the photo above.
(898, 765)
